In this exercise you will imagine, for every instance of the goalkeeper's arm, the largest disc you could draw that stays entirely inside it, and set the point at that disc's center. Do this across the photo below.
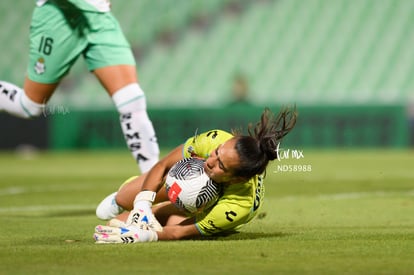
(121, 233)
(179, 232)
(155, 177)
(152, 181)
(141, 215)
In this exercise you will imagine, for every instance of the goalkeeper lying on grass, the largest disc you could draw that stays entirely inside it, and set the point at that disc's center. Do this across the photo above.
(236, 161)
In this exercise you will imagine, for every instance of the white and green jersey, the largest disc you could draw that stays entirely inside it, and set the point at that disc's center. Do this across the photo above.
(238, 204)
(55, 44)
(89, 5)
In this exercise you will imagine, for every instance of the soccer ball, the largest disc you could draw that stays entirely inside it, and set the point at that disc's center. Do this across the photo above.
(189, 188)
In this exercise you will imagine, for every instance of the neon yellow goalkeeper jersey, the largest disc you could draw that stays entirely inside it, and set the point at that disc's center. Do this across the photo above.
(238, 204)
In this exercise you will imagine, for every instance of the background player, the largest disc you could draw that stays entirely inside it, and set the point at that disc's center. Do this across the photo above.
(236, 161)
(60, 32)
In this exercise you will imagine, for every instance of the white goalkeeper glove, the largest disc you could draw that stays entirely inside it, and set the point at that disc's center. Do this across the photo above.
(141, 216)
(116, 223)
(130, 234)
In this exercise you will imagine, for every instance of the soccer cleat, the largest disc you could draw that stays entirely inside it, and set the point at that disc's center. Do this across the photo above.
(108, 208)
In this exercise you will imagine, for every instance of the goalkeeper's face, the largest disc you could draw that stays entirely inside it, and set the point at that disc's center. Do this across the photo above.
(221, 163)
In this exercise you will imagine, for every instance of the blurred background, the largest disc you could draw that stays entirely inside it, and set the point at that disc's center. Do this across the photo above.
(347, 65)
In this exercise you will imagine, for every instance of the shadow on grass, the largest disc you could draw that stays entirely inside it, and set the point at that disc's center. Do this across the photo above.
(247, 236)
(86, 239)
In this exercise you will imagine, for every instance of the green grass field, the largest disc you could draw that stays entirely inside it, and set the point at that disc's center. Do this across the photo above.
(353, 213)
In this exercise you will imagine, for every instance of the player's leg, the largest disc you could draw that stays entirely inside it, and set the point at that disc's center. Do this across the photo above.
(130, 102)
(109, 208)
(53, 49)
(110, 58)
(123, 199)
(28, 102)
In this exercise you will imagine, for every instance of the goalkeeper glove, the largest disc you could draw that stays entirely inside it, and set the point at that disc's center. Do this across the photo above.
(130, 234)
(116, 223)
(141, 216)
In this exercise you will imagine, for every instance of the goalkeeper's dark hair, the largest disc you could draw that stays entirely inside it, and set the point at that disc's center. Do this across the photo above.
(260, 146)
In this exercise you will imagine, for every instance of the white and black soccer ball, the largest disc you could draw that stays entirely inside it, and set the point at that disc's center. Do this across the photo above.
(189, 188)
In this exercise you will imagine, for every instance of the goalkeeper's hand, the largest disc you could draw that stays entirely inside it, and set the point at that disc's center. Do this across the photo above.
(130, 234)
(141, 216)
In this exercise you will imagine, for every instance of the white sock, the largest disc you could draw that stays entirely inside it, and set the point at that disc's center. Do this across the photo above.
(137, 127)
(14, 101)
(108, 208)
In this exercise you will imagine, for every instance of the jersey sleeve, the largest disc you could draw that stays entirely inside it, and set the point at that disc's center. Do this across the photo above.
(201, 145)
